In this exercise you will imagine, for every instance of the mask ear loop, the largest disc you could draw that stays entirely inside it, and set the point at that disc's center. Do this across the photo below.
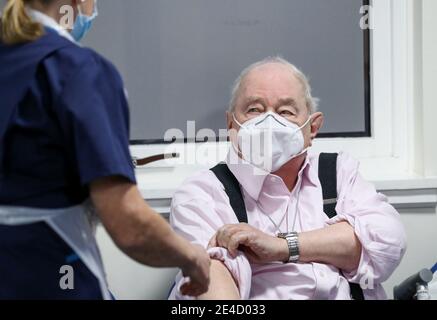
(232, 143)
(95, 11)
(236, 121)
(305, 124)
(79, 9)
(306, 149)
(93, 15)
(300, 153)
(237, 151)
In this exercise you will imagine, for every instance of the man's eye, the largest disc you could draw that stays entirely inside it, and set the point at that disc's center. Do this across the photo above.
(286, 113)
(253, 110)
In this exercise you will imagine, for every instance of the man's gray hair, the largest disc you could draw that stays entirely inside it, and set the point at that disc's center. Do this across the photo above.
(311, 102)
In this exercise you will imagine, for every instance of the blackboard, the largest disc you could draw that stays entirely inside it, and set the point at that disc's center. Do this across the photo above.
(180, 58)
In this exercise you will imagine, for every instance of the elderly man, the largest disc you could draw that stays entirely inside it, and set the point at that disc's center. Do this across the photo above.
(294, 245)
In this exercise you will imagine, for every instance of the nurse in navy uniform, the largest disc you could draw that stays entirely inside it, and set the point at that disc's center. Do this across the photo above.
(65, 161)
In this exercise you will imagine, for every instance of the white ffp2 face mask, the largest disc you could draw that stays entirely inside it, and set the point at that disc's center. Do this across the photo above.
(269, 141)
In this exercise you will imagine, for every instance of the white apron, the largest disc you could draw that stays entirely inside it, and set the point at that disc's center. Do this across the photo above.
(75, 225)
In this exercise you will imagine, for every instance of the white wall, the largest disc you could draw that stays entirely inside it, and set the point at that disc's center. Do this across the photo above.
(421, 224)
(429, 59)
(129, 279)
(421, 227)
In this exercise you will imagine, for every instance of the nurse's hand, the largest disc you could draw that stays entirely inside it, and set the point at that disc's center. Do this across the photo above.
(197, 270)
(258, 246)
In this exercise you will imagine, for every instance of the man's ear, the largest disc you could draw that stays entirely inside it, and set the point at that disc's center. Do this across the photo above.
(317, 120)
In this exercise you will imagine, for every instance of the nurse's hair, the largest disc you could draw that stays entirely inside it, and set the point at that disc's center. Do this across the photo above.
(311, 101)
(17, 26)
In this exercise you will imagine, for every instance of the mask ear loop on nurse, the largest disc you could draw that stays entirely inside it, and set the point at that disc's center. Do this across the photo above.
(83, 22)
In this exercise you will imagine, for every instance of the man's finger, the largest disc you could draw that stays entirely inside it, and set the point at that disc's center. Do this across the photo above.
(240, 238)
(228, 230)
(225, 236)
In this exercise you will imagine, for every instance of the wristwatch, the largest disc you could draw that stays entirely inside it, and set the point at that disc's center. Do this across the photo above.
(293, 245)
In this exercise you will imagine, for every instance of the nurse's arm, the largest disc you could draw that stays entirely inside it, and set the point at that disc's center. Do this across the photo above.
(144, 235)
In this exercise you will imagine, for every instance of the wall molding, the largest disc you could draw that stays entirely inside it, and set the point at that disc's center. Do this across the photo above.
(402, 194)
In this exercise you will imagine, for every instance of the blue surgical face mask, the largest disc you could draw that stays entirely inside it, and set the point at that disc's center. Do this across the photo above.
(83, 23)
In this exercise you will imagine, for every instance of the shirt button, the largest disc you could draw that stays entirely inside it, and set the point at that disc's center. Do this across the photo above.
(322, 274)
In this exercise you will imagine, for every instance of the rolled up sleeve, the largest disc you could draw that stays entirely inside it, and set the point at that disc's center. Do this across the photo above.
(197, 220)
(376, 223)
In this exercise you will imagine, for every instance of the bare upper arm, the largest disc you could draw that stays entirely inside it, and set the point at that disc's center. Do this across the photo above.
(222, 284)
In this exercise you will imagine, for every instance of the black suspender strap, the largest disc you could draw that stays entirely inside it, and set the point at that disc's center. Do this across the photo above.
(328, 180)
(356, 291)
(232, 189)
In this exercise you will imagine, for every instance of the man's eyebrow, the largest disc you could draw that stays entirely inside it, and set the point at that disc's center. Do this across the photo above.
(254, 99)
(281, 102)
(287, 101)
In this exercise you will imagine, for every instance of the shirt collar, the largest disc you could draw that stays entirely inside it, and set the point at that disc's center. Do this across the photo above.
(252, 179)
(49, 22)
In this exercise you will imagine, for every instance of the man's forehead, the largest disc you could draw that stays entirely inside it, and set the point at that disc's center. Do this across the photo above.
(274, 80)
(272, 77)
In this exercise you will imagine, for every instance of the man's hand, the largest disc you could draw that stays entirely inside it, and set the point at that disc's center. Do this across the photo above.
(198, 272)
(258, 246)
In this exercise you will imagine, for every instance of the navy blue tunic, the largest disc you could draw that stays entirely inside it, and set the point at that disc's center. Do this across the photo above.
(64, 122)
(68, 127)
